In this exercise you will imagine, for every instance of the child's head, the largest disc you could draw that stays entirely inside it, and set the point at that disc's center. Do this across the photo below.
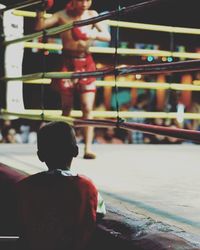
(56, 143)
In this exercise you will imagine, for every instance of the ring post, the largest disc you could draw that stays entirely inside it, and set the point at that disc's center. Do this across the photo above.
(2, 53)
(13, 28)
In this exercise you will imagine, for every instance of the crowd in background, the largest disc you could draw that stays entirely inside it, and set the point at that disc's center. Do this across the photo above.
(25, 131)
(10, 133)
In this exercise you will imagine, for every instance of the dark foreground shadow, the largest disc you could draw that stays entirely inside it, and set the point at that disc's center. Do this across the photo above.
(116, 234)
(113, 232)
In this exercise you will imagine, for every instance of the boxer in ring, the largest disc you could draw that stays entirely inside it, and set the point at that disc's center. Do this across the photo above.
(76, 57)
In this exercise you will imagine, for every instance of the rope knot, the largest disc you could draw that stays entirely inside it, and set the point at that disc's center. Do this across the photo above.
(119, 121)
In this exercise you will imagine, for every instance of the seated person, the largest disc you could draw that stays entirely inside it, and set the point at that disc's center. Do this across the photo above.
(57, 208)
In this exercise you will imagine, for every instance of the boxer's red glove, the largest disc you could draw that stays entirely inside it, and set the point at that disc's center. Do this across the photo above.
(46, 5)
(78, 34)
(49, 4)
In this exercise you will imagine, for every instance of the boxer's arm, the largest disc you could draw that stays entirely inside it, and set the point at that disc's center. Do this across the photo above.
(100, 31)
(43, 23)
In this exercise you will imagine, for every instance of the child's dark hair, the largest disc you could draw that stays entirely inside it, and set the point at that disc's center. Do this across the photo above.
(56, 140)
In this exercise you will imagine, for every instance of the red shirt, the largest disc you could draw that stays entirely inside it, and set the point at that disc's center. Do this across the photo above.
(56, 211)
(8, 220)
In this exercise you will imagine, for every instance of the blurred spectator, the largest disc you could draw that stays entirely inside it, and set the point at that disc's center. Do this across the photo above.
(9, 135)
(27, 136)
(79, 135)
(143, 100)
(32, 138)
(107, 136)
(154, 138)
(173, 140)
(17, 132)
(195, 108)
(24, 132)
(161, 139)
(99, 135)
(174, 97)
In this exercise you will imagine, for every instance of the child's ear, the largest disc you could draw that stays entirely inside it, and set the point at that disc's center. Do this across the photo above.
(75, 153)
(40, 156)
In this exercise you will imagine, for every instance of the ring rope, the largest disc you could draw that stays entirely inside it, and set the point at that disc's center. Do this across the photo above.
(154, 27)
(196, 82)
(124, 51)
(185, 134)
(119, 120)
(106, 114)
(145, 52)
(131, 25)
(100, 17)
(31, 14)
(131, 126)
(157, 68)
(131, 84)
(170, 78)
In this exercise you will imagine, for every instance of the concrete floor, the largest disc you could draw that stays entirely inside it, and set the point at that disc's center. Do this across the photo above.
(156, 181)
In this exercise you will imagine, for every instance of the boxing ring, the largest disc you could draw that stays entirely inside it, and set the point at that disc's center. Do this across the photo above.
(157, 187)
